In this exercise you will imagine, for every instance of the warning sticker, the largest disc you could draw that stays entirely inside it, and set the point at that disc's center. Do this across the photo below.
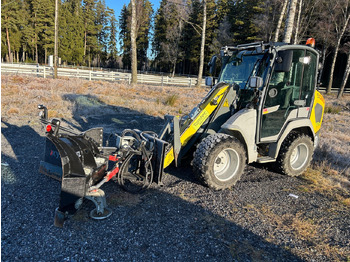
(226, 103)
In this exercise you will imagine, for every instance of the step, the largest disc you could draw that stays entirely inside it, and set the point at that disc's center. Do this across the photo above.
(265, 159)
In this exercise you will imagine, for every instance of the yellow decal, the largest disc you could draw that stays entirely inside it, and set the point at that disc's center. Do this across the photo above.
(226, 103)
(200, 119)
(316, 120)
(169, 158)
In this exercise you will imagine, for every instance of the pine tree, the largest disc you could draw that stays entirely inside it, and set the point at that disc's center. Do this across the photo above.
(71, 32)
(144, 13)
(27, 44)
(124, 24)
(160, 36)
(241, 16)
(101, 22)
(90, 30)
(9, 25)
(144, 16)
(112, 39)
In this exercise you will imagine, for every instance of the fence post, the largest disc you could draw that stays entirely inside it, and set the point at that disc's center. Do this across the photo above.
(162, 80)
(44, 71)
(190, 82)
(90, 75)
(167, 80)
(129, 79)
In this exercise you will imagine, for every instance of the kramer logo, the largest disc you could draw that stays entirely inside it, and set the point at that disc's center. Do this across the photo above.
(55, 154)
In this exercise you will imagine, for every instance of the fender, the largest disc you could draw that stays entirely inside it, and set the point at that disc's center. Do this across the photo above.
(302, 125)
(242, 125)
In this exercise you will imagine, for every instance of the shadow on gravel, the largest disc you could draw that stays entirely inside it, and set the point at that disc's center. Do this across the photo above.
(89, 111)
(20, 144)
(161, 224)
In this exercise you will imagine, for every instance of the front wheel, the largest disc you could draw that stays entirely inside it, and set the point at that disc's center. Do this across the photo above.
(219, 161)
(295, 154)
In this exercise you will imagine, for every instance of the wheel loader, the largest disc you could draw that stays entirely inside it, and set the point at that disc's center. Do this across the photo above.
(264, 108)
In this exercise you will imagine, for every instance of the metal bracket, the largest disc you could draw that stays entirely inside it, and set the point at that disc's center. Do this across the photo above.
(177, 141)
(97, 196)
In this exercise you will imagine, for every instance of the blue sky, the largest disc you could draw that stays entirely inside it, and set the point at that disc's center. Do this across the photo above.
(117, 5)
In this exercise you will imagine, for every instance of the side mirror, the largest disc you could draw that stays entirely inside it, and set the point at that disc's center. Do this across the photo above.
(209, 81)
(284, 61)
(212, 64)
(256, 82)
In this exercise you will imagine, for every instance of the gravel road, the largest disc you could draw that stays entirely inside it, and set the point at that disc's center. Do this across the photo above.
(265, 217)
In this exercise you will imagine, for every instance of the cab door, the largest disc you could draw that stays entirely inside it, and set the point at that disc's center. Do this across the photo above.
(289, 93)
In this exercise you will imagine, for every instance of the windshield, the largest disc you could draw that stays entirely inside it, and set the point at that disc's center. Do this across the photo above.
(236, 70)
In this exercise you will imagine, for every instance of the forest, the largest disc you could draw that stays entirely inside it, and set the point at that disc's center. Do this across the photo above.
(169, 38)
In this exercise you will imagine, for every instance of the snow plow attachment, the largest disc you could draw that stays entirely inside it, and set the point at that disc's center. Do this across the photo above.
(83, 164)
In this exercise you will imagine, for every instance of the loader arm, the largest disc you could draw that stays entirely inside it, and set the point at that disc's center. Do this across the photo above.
(202, 113)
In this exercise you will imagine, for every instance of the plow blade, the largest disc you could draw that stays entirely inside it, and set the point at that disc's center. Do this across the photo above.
(72, 160)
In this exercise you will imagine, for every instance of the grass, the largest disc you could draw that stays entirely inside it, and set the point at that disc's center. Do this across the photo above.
(171, 100)
(332, 109)
(328, 182)
(298, 226)
(21, 95)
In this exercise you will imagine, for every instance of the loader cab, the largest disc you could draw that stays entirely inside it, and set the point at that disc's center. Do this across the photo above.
(237, 68)
(239, 65)
(289, 92)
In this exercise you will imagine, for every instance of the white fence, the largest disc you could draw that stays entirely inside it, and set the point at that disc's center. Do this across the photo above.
(99, 74)
(46, 71)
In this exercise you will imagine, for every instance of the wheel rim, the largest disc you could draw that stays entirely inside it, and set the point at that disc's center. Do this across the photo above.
(299, 156)
(226, 164)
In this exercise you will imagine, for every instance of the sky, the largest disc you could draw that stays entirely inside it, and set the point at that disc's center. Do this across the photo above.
(117, 5)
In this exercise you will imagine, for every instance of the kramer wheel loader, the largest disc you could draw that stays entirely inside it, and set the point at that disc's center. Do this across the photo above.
(263, 108)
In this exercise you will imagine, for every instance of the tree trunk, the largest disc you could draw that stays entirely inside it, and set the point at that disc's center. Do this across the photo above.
(55, 56)
(85, 43)
(288, 30)
(296, 40)
(345, 78)
(324, 50)
(283, 11)
(330, 83)
(36, 41)
(174, 68)
(89, 58)
(201, 59)
(133, 34)
(8, 44)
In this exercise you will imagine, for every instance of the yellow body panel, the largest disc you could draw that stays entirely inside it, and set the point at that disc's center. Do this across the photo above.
(195, 125)
(317, 112)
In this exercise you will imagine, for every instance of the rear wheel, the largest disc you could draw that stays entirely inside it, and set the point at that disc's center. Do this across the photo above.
(295, 154)
(219, 161)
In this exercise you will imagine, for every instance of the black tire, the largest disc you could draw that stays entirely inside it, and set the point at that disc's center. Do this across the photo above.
(295, 154)
(219, 161)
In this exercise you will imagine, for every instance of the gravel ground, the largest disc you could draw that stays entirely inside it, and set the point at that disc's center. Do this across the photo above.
(265, 217)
